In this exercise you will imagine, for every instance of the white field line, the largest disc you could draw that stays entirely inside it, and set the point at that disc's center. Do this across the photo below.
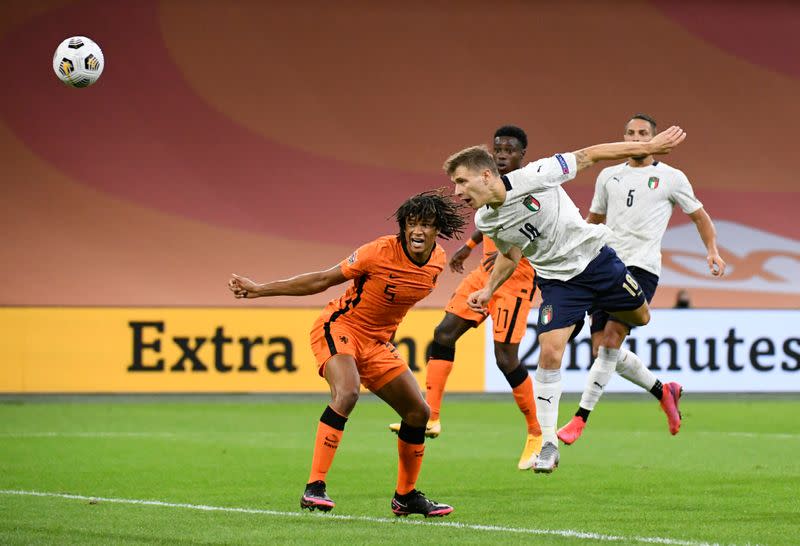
(87, 435)
(567, 533)
(100, 434)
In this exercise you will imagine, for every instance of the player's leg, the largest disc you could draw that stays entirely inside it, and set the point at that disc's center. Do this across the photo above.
(631, 367)
(440, 363)
(603, 333)
(341, 373)
(439, 366)
(457, 320)
(603, 367)
(547, 384)
(509, 311)
(561, 315)
(403, 395)
(507, 357)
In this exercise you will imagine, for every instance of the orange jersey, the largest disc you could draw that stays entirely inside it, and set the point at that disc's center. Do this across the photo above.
(386, 285)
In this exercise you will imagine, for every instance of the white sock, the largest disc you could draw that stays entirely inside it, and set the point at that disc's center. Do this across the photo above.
(547, 387)
(599, 376)
(633, 369)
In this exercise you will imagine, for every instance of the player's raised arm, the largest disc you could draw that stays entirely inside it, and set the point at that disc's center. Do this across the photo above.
(301, 285)
(504, 267)
(662, 143)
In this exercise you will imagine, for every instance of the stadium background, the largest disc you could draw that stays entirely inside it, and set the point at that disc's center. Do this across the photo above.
(271, 139)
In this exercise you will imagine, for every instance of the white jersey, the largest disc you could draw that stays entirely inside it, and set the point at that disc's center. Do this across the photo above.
(539, 218)
(638, 202)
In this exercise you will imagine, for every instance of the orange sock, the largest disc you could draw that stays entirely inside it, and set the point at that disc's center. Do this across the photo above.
(523, 395)
(409, 463)
(435, 380)
(329, 433)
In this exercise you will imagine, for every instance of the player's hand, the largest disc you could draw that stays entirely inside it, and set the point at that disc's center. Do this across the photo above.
(478, 301)
(716, 265)
(665, 141)
(488, 262)
(457, 261)
(242, 287)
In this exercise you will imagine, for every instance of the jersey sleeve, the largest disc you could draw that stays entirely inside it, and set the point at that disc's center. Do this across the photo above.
(362, 261)
(683, 195)
(600, 199)
(545, 173)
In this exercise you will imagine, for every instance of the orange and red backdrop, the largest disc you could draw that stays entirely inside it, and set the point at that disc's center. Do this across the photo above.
(272, 138)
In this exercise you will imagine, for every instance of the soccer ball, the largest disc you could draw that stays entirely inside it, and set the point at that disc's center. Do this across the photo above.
(78, 61)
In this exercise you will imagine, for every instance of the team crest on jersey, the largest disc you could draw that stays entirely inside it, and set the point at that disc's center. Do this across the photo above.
(352, 258)
(652, 183)
(546, 315)
(532, 203)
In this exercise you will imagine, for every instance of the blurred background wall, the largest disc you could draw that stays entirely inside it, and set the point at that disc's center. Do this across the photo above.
(272, 138)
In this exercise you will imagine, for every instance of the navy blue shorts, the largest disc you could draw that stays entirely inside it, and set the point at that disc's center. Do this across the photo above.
(648, 281)
(604, 284)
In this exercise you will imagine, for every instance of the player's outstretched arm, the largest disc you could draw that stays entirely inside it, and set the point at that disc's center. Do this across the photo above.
(662, 143)
(301, 285)
(708, 233)
(504, 267)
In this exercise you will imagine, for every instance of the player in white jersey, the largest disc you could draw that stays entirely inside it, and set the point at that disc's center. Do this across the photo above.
(635, 199)
(526, 212)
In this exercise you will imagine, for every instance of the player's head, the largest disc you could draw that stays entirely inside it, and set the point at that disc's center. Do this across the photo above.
(640, 128)
(472, 170)
(509, 145)
(425, 216)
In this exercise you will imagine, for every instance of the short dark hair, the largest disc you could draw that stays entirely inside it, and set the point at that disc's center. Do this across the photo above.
(646, 118)
(443, 211)
(474, 158)
(514, 132)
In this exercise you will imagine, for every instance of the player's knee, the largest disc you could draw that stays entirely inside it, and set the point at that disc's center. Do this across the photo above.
(613, 339)
(550, 358)
(444, 335)
(345, 400)
(418, 415)
(506, 361)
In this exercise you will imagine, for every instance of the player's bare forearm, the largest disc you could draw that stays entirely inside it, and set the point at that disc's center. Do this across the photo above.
(301, 285)
(612, 150)
(662, 143)
(705, 227)
(504, 267)
(708, 233)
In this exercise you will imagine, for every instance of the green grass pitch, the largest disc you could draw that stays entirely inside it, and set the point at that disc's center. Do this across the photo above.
(231, 470)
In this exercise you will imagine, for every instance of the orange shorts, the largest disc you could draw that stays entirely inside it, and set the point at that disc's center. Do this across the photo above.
(378, 362)
(508, 307)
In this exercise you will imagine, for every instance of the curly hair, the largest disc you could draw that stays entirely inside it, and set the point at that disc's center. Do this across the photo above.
(433, 205)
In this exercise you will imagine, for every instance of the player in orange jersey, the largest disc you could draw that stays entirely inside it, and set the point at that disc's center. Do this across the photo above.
(509, 309)
(351, 339)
